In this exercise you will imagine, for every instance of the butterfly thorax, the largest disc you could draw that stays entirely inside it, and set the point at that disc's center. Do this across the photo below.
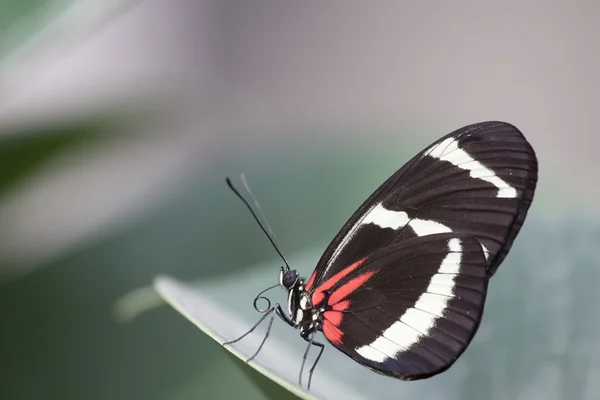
(301, 311)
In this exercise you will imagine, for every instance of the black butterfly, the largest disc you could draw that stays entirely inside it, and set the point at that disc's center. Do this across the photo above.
(401, 288)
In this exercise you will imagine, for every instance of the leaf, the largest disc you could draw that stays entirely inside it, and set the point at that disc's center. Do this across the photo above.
(217, 323)
(136, 302)
(37, 162)
(26, 151)
(268, 387)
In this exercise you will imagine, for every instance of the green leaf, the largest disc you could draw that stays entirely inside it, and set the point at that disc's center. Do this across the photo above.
(205, 314)
(26, 151)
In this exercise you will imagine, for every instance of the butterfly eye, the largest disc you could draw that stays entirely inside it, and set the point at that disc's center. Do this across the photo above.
(289, 279)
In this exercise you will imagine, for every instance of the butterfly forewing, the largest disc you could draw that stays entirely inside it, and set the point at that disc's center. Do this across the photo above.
(415, 308)
(479, 180)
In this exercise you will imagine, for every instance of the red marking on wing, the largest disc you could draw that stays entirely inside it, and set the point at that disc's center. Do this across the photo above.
(340, 293)
(341, 306)
(318, 295)
(332, 332)
(311, 281)
(335, 314)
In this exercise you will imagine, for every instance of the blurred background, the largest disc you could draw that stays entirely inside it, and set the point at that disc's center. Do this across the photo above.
(119, 120)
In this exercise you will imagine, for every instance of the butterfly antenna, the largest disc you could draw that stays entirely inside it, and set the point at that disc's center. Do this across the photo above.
(270, 236)
(264, 218)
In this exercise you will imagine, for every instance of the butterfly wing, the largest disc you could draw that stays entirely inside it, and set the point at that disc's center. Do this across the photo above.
(410, 309)
(479, 180)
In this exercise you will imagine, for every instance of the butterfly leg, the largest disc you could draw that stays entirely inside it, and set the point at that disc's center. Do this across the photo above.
(266, 314)
(264, 339)
(281, 315)
(312, 369)
(311, 342)
(279, 312)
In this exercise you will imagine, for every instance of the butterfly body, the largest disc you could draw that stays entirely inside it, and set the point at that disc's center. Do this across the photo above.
(302, 314)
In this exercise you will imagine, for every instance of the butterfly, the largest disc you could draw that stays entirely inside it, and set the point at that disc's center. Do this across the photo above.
(401, 288)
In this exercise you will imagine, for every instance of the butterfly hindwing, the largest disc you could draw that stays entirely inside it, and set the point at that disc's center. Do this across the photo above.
(479, 180)
(410, 309)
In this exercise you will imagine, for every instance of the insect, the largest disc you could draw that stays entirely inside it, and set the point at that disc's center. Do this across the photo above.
(402, 286)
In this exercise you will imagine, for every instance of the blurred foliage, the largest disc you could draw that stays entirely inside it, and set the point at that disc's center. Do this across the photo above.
(24, 152)
(15, 13)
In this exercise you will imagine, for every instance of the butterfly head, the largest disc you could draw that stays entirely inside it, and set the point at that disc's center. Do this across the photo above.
(288, 278)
